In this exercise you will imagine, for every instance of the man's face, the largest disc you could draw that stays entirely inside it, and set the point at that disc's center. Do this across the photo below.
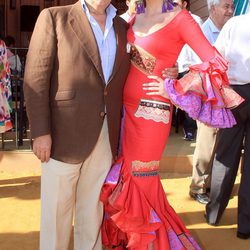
(222, 12)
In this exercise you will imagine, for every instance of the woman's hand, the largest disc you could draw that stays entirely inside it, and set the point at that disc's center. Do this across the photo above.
(156, 87)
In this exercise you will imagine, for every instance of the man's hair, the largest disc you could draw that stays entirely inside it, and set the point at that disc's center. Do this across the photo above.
(210, 3)
(9, 40)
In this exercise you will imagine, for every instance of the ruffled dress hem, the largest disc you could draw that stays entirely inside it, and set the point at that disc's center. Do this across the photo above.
(132, 222)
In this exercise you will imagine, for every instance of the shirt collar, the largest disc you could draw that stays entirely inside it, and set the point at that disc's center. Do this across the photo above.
(111, 10)
(212, 26)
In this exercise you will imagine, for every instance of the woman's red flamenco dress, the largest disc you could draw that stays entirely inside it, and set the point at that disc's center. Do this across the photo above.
(137, 213)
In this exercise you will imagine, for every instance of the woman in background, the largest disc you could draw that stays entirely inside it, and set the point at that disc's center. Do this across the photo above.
(137, 213)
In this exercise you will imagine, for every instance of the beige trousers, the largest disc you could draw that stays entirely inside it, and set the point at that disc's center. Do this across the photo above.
(203, 158)
(68, 189)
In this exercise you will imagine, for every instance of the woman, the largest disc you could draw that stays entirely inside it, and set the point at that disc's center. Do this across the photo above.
(137, 213)
(5, 90)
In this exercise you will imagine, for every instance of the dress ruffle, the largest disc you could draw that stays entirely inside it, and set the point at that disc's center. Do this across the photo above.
(204, 93)
(131, 220)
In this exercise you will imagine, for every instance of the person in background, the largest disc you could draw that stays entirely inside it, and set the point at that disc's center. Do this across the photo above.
(187, 58)
(233, 43)
(13, 58)
(131, 4)
(220, 11)
(75, 71)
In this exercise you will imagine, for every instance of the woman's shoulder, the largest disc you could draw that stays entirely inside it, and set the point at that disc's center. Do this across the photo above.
(181, 14)
(182, 17)
(178, 15)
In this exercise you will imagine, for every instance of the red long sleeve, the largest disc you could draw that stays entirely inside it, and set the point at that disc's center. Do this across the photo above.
(191, 34)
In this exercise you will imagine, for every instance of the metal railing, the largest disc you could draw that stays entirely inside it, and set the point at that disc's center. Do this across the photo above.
(18, 138)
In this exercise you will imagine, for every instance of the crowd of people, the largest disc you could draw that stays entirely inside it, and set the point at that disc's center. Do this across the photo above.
(100, 129)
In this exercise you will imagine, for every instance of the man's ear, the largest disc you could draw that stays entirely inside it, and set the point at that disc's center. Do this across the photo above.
(185, 4)
(212, 8)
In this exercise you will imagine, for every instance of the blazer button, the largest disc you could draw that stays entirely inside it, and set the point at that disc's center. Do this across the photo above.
(105, 92)
(102, 114)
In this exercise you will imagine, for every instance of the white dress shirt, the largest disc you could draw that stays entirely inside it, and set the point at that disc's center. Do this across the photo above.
(106, 40)
(125, 16)
(234, 44)
(14, 61)
(210, 31)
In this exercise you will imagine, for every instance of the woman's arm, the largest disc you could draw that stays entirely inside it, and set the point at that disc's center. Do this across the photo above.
(192, 34)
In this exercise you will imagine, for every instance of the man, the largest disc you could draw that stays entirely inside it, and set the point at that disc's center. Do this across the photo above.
(131, 9)
(187, 58)
(76, 68)
(233, 43)
(220, 11)
(13, 59)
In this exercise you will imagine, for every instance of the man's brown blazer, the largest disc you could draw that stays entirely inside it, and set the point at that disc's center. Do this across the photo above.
(64, 86)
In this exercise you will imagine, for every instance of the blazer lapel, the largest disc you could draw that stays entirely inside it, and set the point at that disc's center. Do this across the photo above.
(82, 29)
(121, 40)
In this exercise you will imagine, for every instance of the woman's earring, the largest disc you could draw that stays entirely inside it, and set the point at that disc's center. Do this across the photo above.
(168, 5)
(140, 8)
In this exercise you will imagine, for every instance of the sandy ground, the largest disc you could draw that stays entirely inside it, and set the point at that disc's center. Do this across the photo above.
(20, 207)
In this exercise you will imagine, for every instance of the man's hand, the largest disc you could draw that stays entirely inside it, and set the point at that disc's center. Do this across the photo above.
(42, 147)
(171, 73)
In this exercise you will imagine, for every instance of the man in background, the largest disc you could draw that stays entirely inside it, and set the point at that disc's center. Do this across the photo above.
(13, 58)
(220, 11)
(233, 44)
(131, 4)
(187, 58)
